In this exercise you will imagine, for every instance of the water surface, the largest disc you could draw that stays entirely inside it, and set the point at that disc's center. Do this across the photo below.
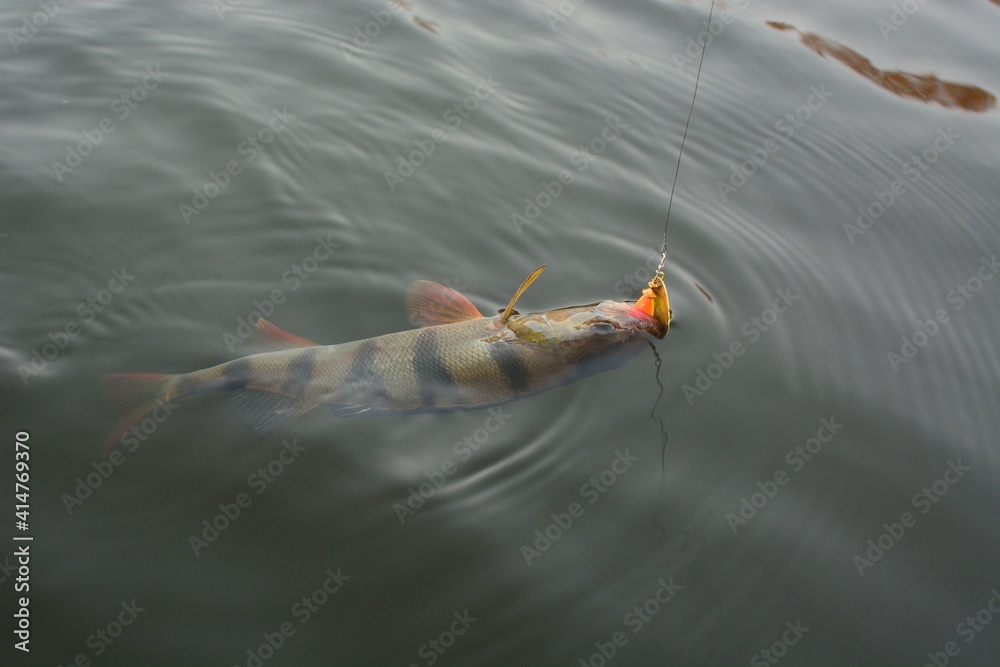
(828, 488)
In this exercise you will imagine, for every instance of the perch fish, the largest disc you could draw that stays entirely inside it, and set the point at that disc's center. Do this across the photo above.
(458, 359)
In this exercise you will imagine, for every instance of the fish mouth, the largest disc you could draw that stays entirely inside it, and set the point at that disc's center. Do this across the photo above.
(655, 302)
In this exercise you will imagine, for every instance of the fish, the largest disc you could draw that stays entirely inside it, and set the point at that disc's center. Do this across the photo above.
(457, 359)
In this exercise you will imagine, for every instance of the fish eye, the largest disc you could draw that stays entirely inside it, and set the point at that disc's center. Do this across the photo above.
(603, 326)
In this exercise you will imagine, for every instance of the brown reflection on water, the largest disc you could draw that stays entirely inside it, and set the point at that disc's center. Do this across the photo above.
(429, 26)
(924, 87)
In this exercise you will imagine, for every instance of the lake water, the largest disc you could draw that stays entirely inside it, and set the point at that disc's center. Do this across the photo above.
(827, 490)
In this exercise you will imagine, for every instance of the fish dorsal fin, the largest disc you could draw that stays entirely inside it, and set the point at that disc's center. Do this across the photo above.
(430, 304)
(505, 315)
(271, 337)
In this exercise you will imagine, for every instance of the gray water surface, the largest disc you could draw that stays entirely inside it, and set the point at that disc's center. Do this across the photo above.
(827, 492)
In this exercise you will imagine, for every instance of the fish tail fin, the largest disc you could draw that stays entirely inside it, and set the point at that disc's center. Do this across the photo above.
(134, 396)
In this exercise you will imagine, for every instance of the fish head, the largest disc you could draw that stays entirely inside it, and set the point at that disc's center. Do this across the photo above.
(580, 332)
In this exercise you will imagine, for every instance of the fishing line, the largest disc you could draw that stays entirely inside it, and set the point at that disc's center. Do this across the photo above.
(663, 443)
(680, 153)
(659, 274)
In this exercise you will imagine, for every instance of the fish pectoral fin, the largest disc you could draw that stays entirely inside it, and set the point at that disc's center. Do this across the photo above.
(264, 411)
(509, 310)
(430, 304)
(271, 337)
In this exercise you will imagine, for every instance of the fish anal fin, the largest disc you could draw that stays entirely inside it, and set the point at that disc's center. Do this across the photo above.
(272, 337)
(430, 304)
(351, 410)
(264, 411)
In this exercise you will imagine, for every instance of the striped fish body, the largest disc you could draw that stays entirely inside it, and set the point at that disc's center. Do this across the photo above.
(457, 360)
